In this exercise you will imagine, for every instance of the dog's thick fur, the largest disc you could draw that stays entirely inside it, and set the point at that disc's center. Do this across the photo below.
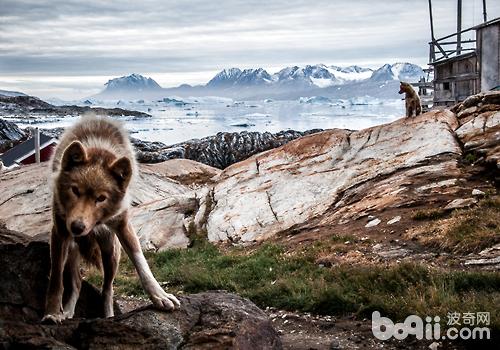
(92, 168)
(412, 101)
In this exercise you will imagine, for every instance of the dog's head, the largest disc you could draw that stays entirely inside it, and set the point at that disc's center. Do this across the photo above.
(91, 186)
(404, 87)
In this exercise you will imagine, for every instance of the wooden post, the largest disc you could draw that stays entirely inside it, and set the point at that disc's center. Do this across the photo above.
(432, 54)
(459, 27)
(432, 21)
(485, 18)
(37, 145)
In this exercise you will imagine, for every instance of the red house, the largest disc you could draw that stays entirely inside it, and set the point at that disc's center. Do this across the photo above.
(24, 153)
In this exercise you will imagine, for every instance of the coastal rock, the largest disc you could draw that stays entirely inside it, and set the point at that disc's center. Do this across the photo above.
(219, 151)
(185, 171)
(478, 193)
(489, 261)
(390, 252)
(30, 107)
(212, 320)
(481, 135)
(24, 280)
(480, 131)
(372, 223)
(156, 198)
(333, 176)
(329, 181)
(460, 203)
(394, 220)
(10, 134)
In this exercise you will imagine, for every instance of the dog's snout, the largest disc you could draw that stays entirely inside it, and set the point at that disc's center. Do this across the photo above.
(77, 227)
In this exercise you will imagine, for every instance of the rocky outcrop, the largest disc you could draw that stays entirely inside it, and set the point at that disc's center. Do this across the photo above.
(185, 171)
(24, 280)
(340, 181)
(333, 177)
(479, 130)
(212, 320)
(219, 151)
(163, 198)
(331, 181)
(33, 107)
(10, 134)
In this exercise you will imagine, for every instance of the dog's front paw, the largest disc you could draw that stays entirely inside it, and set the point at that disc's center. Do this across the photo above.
(54, 318)
(164, 301)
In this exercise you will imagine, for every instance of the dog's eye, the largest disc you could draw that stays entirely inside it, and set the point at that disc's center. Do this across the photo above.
(101, 198)
(75, 190)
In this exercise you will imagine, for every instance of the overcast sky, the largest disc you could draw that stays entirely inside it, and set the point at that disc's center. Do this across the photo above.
(69, 49)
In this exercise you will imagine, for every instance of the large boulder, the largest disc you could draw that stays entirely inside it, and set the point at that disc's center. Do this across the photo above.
(343, 181)
(332, 180)
(479, 130)
(163, 193)
(24, 279)
(212, 320)
(335, 176)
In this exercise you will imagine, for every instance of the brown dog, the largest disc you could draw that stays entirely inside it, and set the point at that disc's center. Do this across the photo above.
(412, 101)
(92, 168)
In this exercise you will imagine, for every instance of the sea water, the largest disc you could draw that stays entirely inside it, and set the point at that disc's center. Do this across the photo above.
(175, 121)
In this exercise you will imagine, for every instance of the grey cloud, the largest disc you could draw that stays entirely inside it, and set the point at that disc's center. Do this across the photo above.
(70, 38)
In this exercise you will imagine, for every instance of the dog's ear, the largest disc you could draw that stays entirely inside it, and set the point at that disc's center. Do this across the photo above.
(73, 155)
(121, 169)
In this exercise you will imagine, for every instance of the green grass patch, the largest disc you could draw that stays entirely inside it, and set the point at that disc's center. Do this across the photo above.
(470, 158)
(432, 214)
(272, 276)
(465, 230)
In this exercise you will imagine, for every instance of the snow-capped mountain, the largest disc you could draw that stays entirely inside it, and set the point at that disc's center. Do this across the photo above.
(398, 71)
(407, 72)
(235, 77)
(289, 82)
(308, 76)
(257, 76)
(312, 76)
(128, 86)
(226, 77)
(134, 82)
(351, 73)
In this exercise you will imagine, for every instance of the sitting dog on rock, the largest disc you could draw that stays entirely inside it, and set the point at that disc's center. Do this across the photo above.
(412, 101)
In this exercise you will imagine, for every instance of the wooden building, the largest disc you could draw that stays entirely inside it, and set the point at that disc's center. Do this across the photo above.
(465, 66)
(24, 153)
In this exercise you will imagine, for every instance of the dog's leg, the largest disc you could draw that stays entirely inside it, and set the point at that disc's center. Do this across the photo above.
(110, 254)
(59, 244)
(132, 247)
(73, 268)
(409, 111)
